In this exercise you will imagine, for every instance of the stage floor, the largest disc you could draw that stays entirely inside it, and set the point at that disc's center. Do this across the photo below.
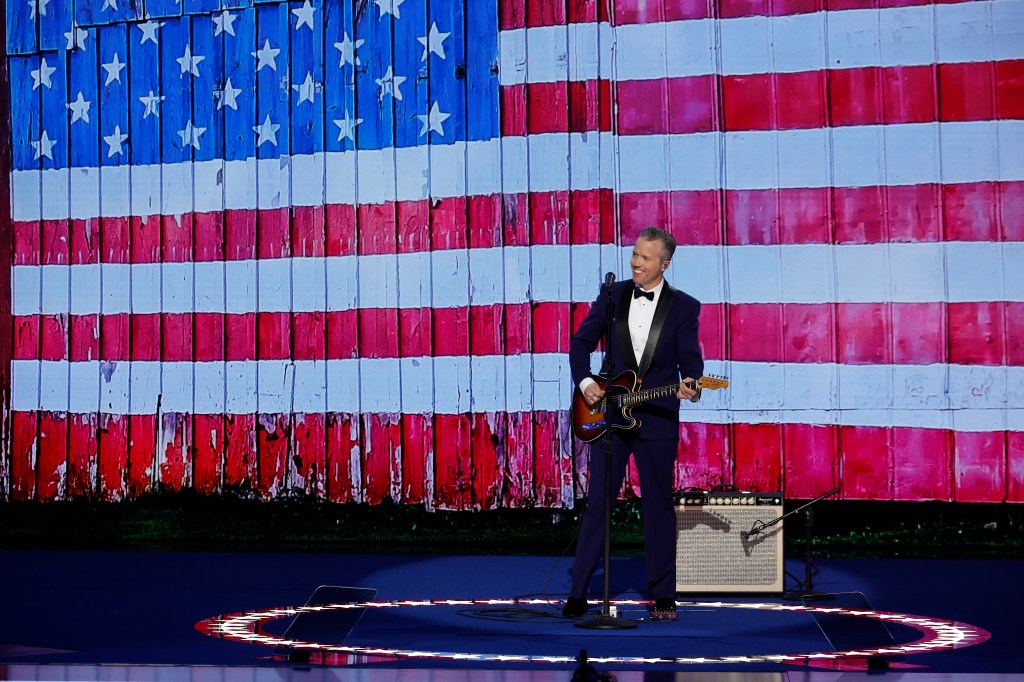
(142, 615)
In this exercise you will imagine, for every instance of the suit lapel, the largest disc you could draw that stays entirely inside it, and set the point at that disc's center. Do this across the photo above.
(622, 327)
(657, 324)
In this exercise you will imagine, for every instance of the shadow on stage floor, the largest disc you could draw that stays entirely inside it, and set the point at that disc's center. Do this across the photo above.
(225, 616)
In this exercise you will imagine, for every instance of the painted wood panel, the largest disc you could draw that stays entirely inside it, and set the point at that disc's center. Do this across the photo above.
(339, 249)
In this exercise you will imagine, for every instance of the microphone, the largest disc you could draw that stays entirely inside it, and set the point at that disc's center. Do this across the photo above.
(754, 530)
(609, 279)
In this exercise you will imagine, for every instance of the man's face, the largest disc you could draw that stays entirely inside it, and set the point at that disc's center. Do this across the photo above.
(647, 263)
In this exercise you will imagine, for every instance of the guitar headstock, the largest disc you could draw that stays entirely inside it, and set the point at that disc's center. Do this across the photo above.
(713, 382)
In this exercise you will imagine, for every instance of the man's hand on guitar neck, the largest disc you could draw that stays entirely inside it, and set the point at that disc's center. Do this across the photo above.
(592, 391)
(688, 390)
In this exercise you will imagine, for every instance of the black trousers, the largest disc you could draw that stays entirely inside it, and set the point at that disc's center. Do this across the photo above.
(655, 462)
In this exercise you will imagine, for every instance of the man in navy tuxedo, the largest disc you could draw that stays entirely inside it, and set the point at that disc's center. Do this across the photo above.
(655, 335)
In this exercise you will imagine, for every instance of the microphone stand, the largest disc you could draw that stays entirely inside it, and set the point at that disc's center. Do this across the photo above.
(808, 586)
(605, 620)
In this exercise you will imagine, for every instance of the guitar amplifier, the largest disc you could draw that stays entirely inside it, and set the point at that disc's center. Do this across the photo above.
(716, 551)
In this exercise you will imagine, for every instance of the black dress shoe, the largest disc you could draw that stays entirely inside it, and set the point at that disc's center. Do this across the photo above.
(664, 609)
(574, 608)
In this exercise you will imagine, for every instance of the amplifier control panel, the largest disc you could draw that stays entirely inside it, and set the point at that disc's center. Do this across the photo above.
(731, 499)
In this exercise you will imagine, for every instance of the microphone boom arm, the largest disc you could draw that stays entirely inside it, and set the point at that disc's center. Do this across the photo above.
(760, 526)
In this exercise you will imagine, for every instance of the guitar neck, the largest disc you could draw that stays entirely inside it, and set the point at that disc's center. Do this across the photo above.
(648, 394)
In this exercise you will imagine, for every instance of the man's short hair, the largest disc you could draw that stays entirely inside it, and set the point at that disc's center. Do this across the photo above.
(668, 242)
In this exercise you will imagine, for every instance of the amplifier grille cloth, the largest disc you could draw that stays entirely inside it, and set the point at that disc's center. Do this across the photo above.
(711, 553)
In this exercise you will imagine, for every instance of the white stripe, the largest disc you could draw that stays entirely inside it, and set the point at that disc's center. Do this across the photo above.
(842, 39)
(967, 420)
(855, 156)
(932, 396)
(922, 272)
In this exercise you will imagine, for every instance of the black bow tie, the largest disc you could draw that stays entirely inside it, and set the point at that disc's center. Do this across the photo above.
(638, 292)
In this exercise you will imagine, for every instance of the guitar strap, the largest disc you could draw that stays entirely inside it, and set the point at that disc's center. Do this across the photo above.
(657, 325)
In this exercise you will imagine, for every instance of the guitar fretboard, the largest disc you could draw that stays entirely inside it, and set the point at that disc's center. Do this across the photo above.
(643, 396)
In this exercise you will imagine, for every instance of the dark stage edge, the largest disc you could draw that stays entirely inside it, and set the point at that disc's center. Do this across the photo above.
(132, 615)
(91, 673)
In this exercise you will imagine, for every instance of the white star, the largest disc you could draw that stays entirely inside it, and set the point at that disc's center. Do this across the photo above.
(41, 76)
(305, 15)
(76, 38)
(266, 132)
(190, 135)
(226, 97)
(114, 141)
(44, 147)
(347, 48)
(433, 120)
(224, 23)
(110, 4)
(307, 89)
(114, 68)
(389, 7)
(151, 101)
(149, 31)
(347, 127)
(189, 63)
(266, 56)
(37, 6)
(390, 84)
(433, 42)
(79, 108)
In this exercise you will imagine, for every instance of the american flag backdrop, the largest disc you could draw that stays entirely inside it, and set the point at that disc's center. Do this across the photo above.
(338, 247)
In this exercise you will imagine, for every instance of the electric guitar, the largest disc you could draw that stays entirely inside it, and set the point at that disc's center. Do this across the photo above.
(589, 422)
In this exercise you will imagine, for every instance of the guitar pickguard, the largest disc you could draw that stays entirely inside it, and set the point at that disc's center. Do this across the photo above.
(616, 417)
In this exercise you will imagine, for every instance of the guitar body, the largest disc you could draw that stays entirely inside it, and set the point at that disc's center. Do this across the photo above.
(590, 422)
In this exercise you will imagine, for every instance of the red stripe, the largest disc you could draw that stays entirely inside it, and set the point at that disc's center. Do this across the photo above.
(344, 449)
(980, 211)
(1015, 466)
(866, 462)
(515, 14)
(811, 464)
(918, 473)
(417, 459)
(240, 462)
(757, 452)
(460, 455)
(988, 333)
(551, 465)
(488, 435)
(51, 473)
(82, 455)
(382, 446)
(208, 442)
(705, 456)
(112, 456)
(453, 459)
(140, 453)
(979, 467)
(175, 452)
(519, 457)
(975, 91)
(874, 95)
(273, 432)
(24, 455)
(309, 456)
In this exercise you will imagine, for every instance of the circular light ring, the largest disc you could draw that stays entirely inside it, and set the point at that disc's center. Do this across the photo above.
(936, 634)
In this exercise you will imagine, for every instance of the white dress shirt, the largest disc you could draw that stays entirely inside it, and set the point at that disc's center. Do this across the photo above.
(641, 316)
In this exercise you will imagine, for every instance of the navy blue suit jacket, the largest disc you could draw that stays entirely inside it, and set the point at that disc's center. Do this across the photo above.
(677, 354)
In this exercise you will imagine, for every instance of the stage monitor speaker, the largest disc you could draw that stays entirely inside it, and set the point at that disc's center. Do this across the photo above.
(716, 551)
